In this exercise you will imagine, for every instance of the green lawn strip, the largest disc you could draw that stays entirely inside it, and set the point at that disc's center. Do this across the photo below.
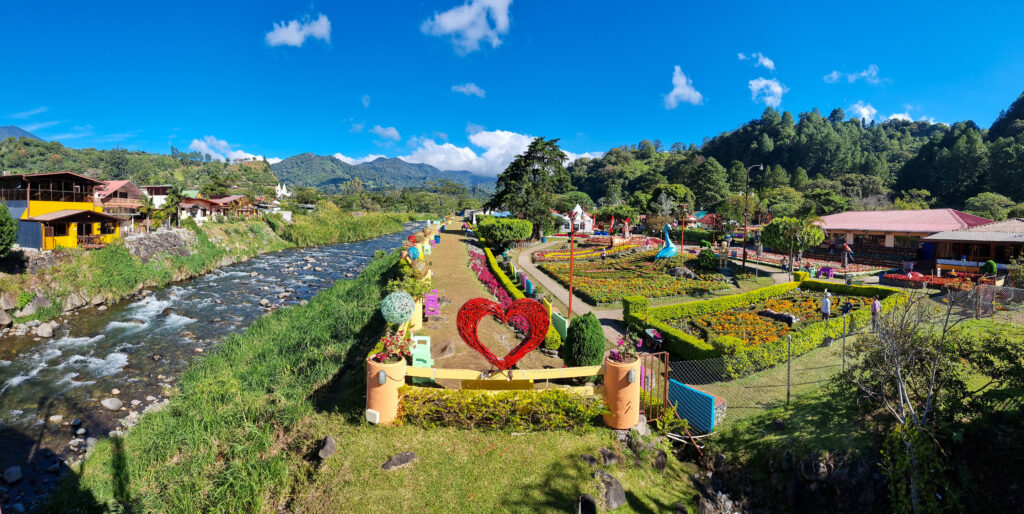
(212, 448)
(476, 471)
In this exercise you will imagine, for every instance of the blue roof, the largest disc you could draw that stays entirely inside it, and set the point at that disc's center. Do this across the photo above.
(700, 214)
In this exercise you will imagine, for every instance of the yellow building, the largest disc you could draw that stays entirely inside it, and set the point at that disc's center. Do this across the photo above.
(57, 210)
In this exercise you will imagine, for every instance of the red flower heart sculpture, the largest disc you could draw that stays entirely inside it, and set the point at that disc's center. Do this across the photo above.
(474, 310)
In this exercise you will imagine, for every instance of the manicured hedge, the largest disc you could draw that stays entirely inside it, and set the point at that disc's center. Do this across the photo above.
(636, 311)
(552, 409)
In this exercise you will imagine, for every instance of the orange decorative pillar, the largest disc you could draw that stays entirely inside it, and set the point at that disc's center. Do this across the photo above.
(622, 393)
(382, 383)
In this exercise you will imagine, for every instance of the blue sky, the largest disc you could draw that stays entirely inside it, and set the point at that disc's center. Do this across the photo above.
(464, 85)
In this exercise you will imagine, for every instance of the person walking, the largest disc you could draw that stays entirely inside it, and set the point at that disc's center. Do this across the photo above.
(826, 306)
(876, 310)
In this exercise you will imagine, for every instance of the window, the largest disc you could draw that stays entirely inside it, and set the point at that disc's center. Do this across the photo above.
(108, 227)
(60, 229)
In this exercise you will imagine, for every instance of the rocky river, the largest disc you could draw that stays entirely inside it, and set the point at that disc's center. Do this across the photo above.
(103, 367)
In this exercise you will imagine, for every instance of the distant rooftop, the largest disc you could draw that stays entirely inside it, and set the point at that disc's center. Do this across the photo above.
(1010, 231)
(921, 221)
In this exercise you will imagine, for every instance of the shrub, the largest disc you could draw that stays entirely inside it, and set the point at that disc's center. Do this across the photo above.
(502, 231)
(729, 345)
(553, 340)
(989, 267)
(707, 259)
(24, 297)
(552, 409)
(584, 341)
(8, 230)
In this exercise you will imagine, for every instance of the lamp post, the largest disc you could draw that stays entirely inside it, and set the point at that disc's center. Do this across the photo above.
(572, 247)
(746, 204)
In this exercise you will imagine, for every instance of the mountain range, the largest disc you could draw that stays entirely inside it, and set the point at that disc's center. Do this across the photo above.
(329, 173)
(7, 131)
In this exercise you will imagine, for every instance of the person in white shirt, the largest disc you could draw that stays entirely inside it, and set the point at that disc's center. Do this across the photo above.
(826, 306)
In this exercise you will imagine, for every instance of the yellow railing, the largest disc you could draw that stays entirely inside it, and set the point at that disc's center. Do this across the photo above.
(511, 374)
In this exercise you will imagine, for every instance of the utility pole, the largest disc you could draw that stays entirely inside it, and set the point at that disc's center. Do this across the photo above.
(746, 207)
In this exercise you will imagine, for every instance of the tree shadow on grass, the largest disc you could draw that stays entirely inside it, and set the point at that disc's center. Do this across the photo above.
(559, 487)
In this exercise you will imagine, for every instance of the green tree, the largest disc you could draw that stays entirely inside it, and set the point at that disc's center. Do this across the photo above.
(8, 230)
(670, 200)
(584, 341)
(915, 199)
(993, 206)
(799, 179)
(709, 184)
(824, 201)
(782, 201)
(117, 164)
(566, 202)
(776, 176)
(528, 186)
(792, 234)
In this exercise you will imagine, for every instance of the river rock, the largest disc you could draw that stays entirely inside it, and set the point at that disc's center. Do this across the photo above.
(73, 301)
(97, 300)
(12, 475)
(101, 308)
(399, 461)
(80, 431)
(37, 303)
(151, 398)
(45, 330)
(77, 422)
(5, 319)
(303, 302)
(226, 261)
(56, 418)
(112, 404)
(115, 391)
(614, 496)
(253, 274)
(264, 302)
(608, 457)
(8, 301)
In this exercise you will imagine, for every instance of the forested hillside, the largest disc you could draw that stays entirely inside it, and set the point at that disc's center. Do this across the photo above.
(829, 163)
(329, 173)
(23, 155)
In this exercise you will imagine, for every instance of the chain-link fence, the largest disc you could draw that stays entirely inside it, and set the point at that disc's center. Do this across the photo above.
(739, 398)
(985, 300)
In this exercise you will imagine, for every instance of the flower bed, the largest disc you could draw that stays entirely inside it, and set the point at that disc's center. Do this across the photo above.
(913, 280)
(761, 349)
(775, 259)
(580, 253)
(478, 263)
(608, 280)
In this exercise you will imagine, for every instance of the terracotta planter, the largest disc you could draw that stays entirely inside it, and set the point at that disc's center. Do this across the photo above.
(383, 398)
(405, 254)
(620, 395)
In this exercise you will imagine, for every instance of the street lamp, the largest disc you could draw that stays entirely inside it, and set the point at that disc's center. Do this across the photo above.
(746, 204)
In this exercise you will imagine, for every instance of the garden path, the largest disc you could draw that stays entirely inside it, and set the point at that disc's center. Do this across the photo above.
(455, 281)
(611, 319)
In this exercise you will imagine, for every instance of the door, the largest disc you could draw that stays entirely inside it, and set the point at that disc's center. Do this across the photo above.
(48, 242)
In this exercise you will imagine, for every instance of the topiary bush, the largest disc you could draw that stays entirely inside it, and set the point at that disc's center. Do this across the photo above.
(707, 259)
(989, 268)
(553, 340)
(584, 342)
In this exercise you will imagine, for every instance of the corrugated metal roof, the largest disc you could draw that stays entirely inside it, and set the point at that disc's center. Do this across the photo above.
(74, 213)
(1010, 231)
(925, 220)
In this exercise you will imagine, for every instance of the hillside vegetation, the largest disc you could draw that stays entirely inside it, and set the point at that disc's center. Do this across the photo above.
(329, 174)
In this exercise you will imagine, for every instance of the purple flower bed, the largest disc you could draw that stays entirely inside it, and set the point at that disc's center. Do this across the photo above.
(478, 263)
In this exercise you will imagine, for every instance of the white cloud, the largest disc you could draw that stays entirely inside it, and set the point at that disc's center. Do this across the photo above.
(29, 113)
(366, 101)
(358, 160)
(220, 150)
(869, 75)
(682, 91)
(470, 23)
(864, 111)
(41, 125)
(356, 128)
(76, 132)
(902, 116)
(762, 59)
(570, 156)
(274, 160)
(469, 88)
(295, 32)
(386, 132)
(473, 127)
(499, 147)
(769, 91)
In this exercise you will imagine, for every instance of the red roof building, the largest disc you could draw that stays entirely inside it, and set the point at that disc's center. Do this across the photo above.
(896, 228)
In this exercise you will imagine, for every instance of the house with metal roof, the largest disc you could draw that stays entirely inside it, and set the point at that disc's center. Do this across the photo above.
(57, 210)
(1000, 241)
(889, 229)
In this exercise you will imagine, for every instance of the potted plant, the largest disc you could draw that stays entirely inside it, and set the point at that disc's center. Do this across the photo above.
(622, 383)
(385, 374)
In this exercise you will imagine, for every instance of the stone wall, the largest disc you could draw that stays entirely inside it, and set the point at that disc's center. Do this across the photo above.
(177, 241)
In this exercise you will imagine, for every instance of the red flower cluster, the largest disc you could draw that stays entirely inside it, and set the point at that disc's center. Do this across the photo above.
(478, 263)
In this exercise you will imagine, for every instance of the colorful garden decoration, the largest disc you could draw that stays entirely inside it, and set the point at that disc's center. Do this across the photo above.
(414, 253)
(532, 311)
(412, 238)
(437, 239)
(397, 307)
(431, 306)
(669, 250)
